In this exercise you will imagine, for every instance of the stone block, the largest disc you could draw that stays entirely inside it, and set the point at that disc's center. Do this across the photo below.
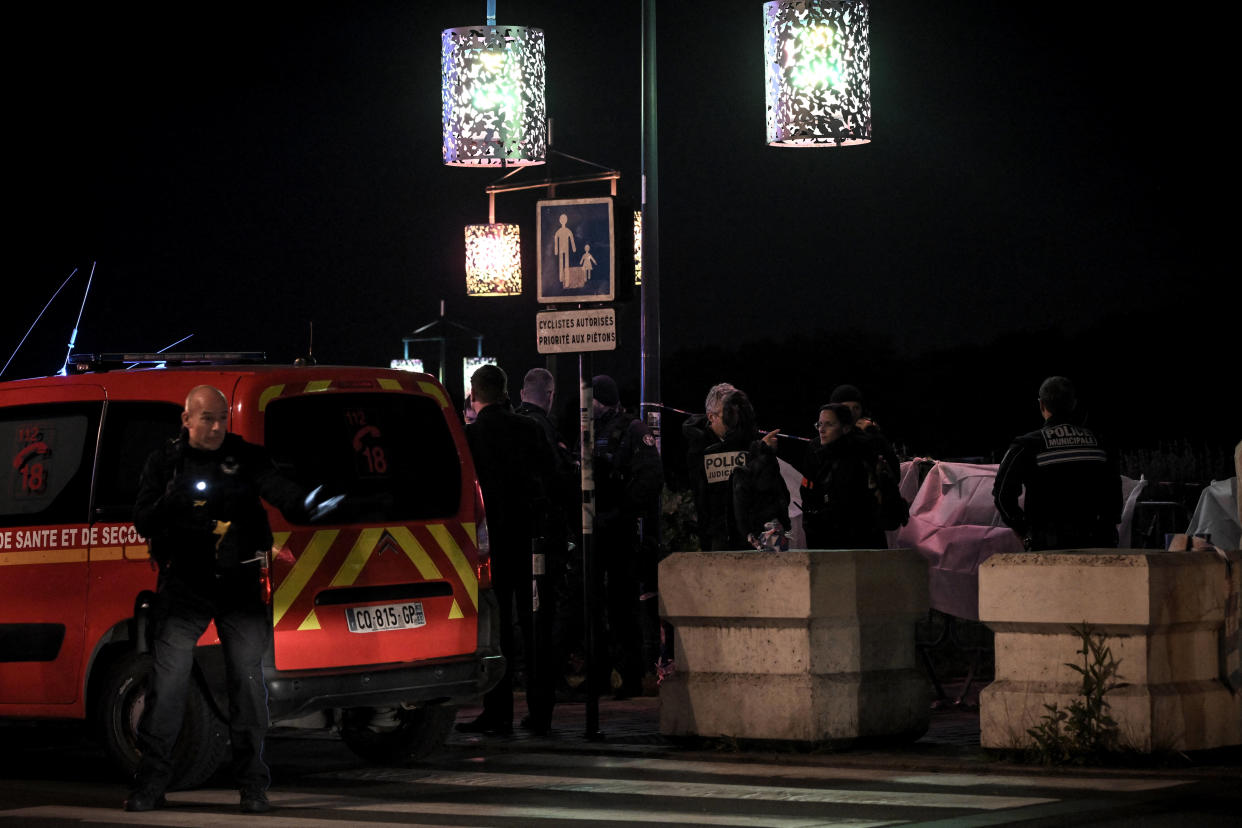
(835, 708)
(1163, 616)
(806, 645)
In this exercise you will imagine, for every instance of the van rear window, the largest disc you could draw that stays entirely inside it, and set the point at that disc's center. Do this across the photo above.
(41, 454)
(392, 454)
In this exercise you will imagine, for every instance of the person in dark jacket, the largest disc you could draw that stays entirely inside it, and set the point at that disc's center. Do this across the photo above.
(537, 395)
(733, 508)
(512, 461)
(839, 507)
(882, 461)
(710, 460)
(864, 425)
(1072, 482)
(538, 392)
(558, 613)
(629, 477)
(198, 505)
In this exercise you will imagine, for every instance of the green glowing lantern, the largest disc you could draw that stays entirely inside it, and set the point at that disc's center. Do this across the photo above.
(818, 72)
(492, 90)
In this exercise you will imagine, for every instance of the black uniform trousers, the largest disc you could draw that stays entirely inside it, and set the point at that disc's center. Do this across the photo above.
(244, 634)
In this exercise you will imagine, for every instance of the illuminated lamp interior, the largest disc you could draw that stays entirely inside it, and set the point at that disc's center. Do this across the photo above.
(818, 72)
(471, 364)
(493, 260)
(492, 91)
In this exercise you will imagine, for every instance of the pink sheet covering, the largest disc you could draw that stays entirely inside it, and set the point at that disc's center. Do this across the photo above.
(955, 525)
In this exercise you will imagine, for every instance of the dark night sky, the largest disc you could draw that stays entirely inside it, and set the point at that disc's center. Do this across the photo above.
(239, 173)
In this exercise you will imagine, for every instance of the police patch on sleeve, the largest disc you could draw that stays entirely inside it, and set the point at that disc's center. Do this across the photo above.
(649, 439)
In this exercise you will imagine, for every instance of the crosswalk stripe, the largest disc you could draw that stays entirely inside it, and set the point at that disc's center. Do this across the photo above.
(1069, 812)
(696, 790)
(182, 815)
(810, 772)
(1063, 783)
(530, 813)
(178, 817)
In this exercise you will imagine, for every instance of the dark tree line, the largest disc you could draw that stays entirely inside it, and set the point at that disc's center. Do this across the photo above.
(1138, 386)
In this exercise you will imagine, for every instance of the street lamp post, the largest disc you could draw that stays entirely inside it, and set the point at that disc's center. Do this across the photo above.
(649, 300)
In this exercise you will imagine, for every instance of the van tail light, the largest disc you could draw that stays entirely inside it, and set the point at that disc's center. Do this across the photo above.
(483, 542)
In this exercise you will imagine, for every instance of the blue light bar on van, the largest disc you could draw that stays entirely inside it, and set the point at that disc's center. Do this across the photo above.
(85, 363)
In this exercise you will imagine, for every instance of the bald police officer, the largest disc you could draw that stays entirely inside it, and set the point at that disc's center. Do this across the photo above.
(198, 505)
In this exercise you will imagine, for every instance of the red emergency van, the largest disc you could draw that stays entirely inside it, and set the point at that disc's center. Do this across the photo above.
(381, 625)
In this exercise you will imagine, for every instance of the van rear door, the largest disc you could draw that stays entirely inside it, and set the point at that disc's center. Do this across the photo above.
(391, 578)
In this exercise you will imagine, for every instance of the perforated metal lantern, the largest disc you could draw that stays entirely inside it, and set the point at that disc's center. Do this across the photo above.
(493, 260)
(492, 86)
(818, 74)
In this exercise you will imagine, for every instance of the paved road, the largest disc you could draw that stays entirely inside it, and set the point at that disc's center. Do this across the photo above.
(566, 781)
(549, 789)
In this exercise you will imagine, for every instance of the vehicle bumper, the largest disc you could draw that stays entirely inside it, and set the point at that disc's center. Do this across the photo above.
(436, 682)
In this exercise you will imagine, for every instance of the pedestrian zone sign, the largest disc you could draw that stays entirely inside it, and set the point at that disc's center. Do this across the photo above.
(593, 329)
(576, 238)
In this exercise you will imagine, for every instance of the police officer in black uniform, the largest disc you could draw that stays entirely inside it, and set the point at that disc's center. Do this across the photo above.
(1073, 486)
(552, 595)
(711, 454)
(733, 506)
(629, 477)
(512, 462)
(198, 506)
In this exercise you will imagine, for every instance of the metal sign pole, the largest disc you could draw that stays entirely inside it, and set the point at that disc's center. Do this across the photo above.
(589, 597)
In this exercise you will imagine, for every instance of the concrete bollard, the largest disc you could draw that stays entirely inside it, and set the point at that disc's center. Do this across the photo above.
(806, 646)
(1164, 617)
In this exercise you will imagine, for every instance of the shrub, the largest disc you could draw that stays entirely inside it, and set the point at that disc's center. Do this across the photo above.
(1084, 731)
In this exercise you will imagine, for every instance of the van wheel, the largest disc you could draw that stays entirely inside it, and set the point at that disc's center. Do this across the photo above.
(201, 745)
(396, 734)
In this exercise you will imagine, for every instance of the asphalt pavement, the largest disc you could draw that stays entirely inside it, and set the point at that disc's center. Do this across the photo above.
(951, 743)
(629, 772)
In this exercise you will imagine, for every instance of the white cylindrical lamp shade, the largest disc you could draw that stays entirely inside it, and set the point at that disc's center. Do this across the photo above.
(493, 260)
(492, 89)
(818, 72)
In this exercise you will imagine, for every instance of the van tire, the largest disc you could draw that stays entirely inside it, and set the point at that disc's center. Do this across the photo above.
(201, 745)
(395, 735)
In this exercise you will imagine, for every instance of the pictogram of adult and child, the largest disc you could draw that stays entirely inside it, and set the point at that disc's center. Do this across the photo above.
(576, 244)
(563, 244)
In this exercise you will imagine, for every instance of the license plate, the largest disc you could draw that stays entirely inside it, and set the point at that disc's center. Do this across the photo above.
(388, 617)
